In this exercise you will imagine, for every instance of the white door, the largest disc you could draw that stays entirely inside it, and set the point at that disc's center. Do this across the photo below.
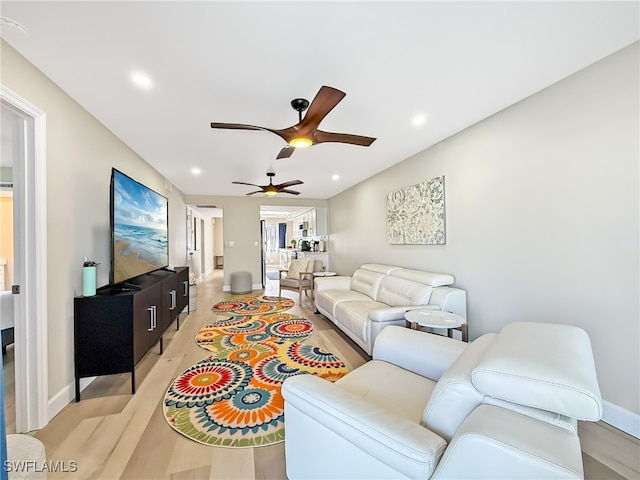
(30, 265)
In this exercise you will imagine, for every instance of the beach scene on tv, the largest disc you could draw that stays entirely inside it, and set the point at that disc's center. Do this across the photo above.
(139, 229)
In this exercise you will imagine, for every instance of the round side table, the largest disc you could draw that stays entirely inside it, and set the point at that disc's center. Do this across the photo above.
(437, 319)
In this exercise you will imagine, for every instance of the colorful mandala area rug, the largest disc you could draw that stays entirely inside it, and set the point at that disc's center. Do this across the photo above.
(253, 305)
(229, 335)
(233, 398)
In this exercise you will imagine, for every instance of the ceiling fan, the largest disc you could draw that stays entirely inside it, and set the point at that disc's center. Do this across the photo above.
(272, 189)
(305, 133)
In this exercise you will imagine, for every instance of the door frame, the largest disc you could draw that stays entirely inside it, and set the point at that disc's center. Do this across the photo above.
(30, 260)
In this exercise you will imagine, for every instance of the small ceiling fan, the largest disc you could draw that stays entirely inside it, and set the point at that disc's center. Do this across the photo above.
(305, 133)
(272, 189)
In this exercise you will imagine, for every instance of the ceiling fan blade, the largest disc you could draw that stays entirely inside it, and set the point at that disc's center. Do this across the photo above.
(290, 183)
(324, 137)
(286, 152)
(324, 101)
(245, 183)
(292, 192)
(252, 193)
(237, 126)
(285, 134)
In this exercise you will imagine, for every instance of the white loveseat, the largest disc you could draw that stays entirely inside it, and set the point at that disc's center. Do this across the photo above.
(377, 296)
(427, 406)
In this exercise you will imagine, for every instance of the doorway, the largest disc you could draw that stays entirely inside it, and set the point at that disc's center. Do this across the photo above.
(25, 133)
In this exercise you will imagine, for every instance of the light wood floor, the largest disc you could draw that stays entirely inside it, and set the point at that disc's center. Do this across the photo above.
(112, 434)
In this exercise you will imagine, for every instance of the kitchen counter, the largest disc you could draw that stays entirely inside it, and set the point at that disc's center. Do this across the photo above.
(288, 254)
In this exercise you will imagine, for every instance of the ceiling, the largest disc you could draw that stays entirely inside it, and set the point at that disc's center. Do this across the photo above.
(454, 63)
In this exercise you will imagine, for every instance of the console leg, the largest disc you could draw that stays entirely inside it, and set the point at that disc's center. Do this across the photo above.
(133, 382)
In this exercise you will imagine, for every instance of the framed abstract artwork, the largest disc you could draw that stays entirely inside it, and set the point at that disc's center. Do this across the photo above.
(415, 214)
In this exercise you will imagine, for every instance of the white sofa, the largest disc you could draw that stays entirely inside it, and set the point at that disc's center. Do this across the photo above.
(377, 296)
(427, 406)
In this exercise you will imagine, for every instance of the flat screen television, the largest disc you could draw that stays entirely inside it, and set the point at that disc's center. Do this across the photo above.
(139, 229)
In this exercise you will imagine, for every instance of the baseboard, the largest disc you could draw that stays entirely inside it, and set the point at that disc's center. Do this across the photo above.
(65, 396)
(254, 286)
(621, 418)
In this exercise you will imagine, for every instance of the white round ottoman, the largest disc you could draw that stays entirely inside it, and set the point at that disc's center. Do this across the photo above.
(240, 282)
(21, 450)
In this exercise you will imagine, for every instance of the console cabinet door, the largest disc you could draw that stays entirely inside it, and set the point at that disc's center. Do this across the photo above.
(147, 328)
(103, 335)
(183, 288)
(169, 301)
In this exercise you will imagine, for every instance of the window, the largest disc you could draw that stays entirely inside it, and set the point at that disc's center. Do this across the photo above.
(271, 238)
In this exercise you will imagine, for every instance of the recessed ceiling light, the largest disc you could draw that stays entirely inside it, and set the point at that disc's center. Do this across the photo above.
(141, 80)
(196, 171)
(335, 177)
(419, 119)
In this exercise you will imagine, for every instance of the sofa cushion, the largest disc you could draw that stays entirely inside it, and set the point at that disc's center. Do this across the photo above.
(353, 315)
(367, 282)
(395, 291)
(562, 421)
(329, 299)
(428, 278)
(390, 387)
(454, 396)
(564, 383)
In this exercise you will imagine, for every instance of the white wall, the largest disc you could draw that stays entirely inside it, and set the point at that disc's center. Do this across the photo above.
(80, 153)
(542, 209)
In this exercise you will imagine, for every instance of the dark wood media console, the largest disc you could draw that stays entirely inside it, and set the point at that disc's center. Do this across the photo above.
(115, 328)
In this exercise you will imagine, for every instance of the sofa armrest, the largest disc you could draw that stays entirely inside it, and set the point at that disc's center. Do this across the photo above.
(399, 443)
(419, 352)
(450, 299)
(336, 282)
(494, 443)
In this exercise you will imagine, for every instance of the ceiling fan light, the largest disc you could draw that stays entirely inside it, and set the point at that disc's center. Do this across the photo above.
(270, 192)
(300, 142)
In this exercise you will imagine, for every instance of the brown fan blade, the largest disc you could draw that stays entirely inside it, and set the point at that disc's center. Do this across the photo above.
(286, 152)
(292, 192)
(325, 137)
(257, 191)
(237, 126)
(290, 183)
(283, 134)
(245, 183)
(324, 101)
